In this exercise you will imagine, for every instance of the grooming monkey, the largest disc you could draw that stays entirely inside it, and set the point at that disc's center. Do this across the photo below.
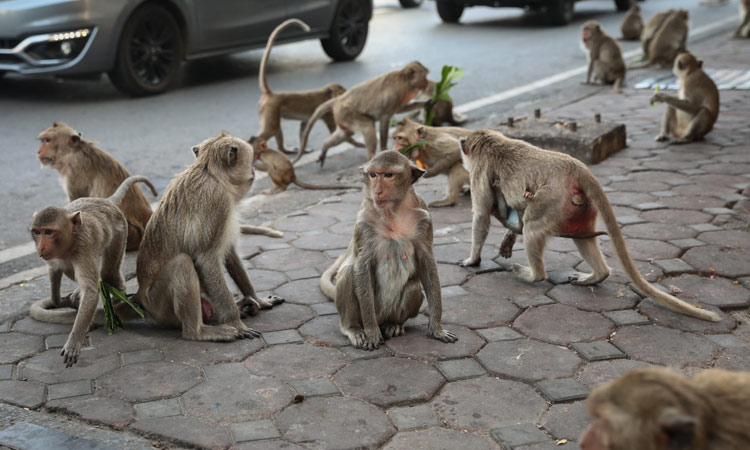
(632, 24)
(691, 114)
(653, 25)
(84, 240)
(605, 58)
(377, 99)
(566, 200)
(440, 155)
(743, 30)
(87, 171)
(294, 105)
(191, 236)
(660, 409)
(668, 41)
(389, 259)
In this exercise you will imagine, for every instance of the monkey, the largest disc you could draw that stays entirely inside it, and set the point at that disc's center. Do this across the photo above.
(605, 58)
(653, 25)
(87, 171)
(567, 198)
(691, 114)
(632, 24)
(85, 240)
(660, 409)
(743, 30)
(191, 234)
(442, 110)
(294, 105)
(281, 171)
(379, 280)
(377, 99)
(668, 41)
(440, 155)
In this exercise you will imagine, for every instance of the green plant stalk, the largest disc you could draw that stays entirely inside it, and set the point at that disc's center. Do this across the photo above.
(111, 319)
(656, 91)
(406, 150)
(450, 76)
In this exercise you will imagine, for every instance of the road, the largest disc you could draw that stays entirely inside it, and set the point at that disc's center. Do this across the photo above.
(500, 49)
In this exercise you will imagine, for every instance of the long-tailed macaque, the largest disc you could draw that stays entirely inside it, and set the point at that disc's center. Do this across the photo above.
(605, 59)
(566, 200)
(84, 240)
(691, 114)
(379, 280)
(743, 29)
(653, 25)
(439, 155)
(281, 170)
(377, 99)
(660, 409)
(188, 240)
(293, 105)
(87, 171)
(632, 24)
(668, 41)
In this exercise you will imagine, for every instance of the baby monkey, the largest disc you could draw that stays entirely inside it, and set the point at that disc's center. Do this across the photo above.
(379, 280)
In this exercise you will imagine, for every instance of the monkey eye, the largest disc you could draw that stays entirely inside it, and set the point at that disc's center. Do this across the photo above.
(388, 175)
(48, 232)
(35, 232)
(45, 140)
(372, 174)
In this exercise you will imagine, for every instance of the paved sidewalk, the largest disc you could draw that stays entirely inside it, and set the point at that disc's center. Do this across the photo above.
(527, 354)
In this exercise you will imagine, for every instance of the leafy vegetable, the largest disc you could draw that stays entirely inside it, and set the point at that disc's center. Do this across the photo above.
(656, 91)
(450, 77)
(406, 150)
(111, 319)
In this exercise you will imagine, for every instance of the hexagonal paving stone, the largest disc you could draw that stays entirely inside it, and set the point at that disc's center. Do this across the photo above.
(478, 311)
(323, 241)
(416, 344)
(464, 404)
(137, 336)
(288, 259)
(562, 324)
(607, 296)
(438, 438)
(566, 421)
(16, 346)
(658, 231)
(596, 373)
(645, 249)
(412, 417)
(452, 253)
(389, 381)
(207, 353)
(186, 430)
(111, 411)
(725, 238)
(737, 359)
(22, 393)
(676, 216)
(135, 382)
(335, 422)
(664, 316)
(266, 280)
(266, 444)
(236, 399)
(286, 316)
(28, 325)
(664, 346)
(296, 361)
(728, 262)
(451, 274)
(48, 367)
(305, 291)
(324, 330)
(486, 285)
(303, 222)
(528, 360)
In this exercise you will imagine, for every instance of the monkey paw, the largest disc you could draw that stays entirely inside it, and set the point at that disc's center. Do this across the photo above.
(656, 98)
(70, 354)
(248, 308)
(443, 335)
(248, 333)
(369, 341)
(321, 160)
(470, 262)
(392, 330)
(270, 301)
(661, 138)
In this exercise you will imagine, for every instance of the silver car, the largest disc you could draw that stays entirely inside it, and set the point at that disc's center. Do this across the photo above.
(141, 43)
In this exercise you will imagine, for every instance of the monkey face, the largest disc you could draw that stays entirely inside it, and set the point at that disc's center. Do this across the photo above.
(684, 64)
(53, 232)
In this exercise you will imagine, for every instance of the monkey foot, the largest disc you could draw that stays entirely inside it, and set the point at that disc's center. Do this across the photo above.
(247, 333)
(506, 247)
(70, 355)
(248, 309)
(441, 203)
(526, 274)
(661, 138)
(469, 262)
(392, 330)
(586, 279)
(445, 336)
(215, 333)
(270, 301)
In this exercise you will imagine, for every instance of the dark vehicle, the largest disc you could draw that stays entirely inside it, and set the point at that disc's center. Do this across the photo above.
(557, 12)
(141, 43)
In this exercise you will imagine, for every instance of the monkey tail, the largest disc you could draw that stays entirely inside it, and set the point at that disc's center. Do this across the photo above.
(322, 109)
(599, 199)
(119, 194)
(326, 280)
(319, 187)
(271, 39)
(265, 231)
(46, 311)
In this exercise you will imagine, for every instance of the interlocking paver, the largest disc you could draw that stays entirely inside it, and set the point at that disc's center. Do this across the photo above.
(305, 291)
(55, 341)
(562, 389)
(674, 266)
(499, 334)
(664, 316)
(48, 367)
(314, 387)
(186, 430)
(726, 340)
(566, 420)
(676, 348)
(597, 351)
(111, 411)
(715, 291)
(69, 389)
(22, 393)
(253, 431)
(606, 296)
(160, 408)
(282, 337)
(6, 371)
(562, 324)
(249, 398)
(282, 317)
(528, 360)
(16, 346)
(516, 435)
(412, 417)
(416, 344)
(323, 309)
(296, 361)
(135, 382)
(141, 356)
(459, 369)
(626, 317)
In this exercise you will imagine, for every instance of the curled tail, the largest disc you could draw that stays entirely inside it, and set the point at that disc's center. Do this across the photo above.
(326, 280)
(119, 194)
(271, 39)
(302, 184)
(599, 199)
(321, 110)
(46, 311)
(266, 231)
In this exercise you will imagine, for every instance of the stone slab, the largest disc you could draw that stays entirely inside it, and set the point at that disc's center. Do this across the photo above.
(24, 435)
(597, 351)
(626, 317)
(141, 356)
(459, 369)
(159, 408)
(282, 337)
(314, 387)
(225, 370)
(70, 389)
(562, 389)
(324, 309)
(499, 334)
(515, 435)
(528, 360)
(254, 431)
(413, 417)
(6, 371)
(674, 266)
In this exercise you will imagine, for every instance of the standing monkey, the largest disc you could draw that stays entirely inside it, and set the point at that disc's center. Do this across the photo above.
(190, 236)
(660, 409)
(378, 99)
(389, 260)
(440, 155)
(566, 200)
(632, 24)
(87, 171)
(299, 105)
(84, 240)
(691, 114)
(605, 58)
(743, 30)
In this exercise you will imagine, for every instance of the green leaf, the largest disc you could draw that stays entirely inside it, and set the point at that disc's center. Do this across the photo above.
(450, 76)
(406, 150)
(111, 319)
(656, 91)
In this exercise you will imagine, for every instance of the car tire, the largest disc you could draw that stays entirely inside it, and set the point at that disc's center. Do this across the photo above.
(622, 5)
(348, 32)
(410, 3)
(560, 12)
(449, 11)
(149, 52)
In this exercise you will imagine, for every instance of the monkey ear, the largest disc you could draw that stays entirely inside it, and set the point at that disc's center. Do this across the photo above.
(676, 429)
(74, 139)
(420, 132)
(75, 221)
(231, 156)
(196, 149)
(464, 148)
(416, 173)
(700, 63)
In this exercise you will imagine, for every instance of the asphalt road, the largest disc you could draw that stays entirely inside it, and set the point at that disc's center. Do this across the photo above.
(500, 49)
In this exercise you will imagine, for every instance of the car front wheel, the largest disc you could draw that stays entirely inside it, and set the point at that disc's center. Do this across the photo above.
(449, 10)
(622, 5)
(560, 12)
(348, 31)
(149, 52)
(410, 3)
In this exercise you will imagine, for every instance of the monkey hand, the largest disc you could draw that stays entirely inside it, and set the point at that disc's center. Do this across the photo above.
(661, 138)
(657, 98)
(270, 301)
(369, 339)
(70, 353)
(245, 332)
(470, 261)
(438, 333)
